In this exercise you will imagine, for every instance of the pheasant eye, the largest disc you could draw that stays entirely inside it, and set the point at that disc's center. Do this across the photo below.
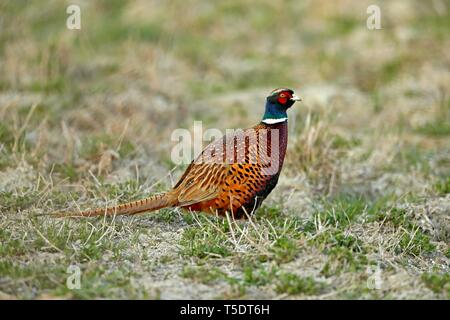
(282, 95)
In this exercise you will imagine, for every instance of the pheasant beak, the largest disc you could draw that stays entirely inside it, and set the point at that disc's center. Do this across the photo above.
(295, 98)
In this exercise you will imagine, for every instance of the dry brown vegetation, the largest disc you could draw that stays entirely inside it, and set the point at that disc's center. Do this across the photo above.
(86, 119)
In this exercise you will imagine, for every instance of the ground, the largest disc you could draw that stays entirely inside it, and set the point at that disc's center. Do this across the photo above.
(362, 208)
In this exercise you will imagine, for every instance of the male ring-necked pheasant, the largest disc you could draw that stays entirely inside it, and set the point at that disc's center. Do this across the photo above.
(233, 174)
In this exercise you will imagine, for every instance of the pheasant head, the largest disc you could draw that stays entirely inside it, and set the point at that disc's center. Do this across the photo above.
(277, 104)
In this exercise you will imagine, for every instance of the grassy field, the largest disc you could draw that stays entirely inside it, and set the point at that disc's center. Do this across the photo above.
(362, 208)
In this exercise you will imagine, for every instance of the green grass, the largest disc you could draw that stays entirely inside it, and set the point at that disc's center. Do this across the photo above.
(437, 282)
(443, 186)
(202, 274)
(204, 242)
(343, 260)
(68, 171)
(287, 283)
(256, 275)
(292, 284)
(413, 157)
(11, 246)
(416, 243)
(340, 142)
(6, 135)
(344, 209)
(413, 240)
(395, 217)
(93, 146)
(285, 249)
(335, 239)
(434, 25)
(102, 283)
(439, 128)
(343, 25)
(13, 203)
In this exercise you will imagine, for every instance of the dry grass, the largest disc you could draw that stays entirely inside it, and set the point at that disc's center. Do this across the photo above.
(86, 118)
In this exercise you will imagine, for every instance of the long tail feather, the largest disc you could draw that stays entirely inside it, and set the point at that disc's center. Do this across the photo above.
(152, 203)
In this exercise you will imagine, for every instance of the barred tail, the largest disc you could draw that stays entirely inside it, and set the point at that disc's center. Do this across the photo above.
(155, 202)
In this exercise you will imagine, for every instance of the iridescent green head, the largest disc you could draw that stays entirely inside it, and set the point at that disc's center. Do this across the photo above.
(277, 104)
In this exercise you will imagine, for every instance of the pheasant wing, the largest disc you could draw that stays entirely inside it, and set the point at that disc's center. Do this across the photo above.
(204, 177)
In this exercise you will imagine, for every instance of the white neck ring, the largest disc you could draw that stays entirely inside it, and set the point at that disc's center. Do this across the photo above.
(272, 121)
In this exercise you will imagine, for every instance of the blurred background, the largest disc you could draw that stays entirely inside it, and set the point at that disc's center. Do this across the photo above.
(86, 115)
(137, 70)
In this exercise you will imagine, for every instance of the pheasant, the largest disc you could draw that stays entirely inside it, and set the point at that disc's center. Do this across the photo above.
(233, 174)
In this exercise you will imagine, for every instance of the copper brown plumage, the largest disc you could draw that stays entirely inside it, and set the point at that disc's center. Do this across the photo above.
(233, 174)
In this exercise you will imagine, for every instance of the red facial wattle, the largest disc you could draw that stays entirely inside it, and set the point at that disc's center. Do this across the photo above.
(284, 97)
(282, 100)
